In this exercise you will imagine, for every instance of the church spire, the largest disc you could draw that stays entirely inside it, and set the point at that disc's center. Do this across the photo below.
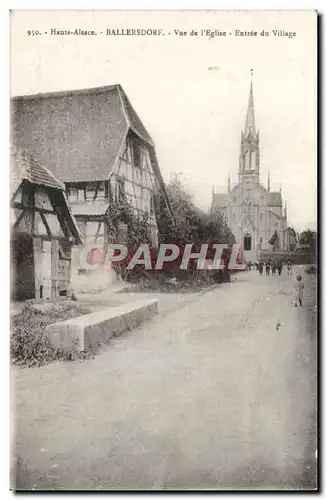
(249, 159)
(229, 183)
(250, 119)
(268, 182)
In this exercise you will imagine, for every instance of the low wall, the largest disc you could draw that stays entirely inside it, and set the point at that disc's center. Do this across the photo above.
(86, 331)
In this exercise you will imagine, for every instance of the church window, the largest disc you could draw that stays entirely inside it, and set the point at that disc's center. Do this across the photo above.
(247, 242)
(235, 199)
(234, 218)
(261, 217)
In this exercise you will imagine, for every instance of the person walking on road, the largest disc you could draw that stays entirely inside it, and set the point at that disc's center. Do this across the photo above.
(273, 267)
(280, 267)
(289, 268)
(260, 267)
(298, 290)
(267, 268)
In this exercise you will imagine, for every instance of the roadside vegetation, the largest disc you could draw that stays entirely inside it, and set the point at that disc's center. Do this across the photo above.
(29, 345)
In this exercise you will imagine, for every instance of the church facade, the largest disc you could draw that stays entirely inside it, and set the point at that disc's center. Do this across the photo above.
(255, 214)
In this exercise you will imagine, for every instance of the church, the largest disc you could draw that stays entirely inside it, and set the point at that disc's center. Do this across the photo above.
(254, 213)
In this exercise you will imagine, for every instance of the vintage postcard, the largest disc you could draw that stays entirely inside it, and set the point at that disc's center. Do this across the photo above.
(163, 211)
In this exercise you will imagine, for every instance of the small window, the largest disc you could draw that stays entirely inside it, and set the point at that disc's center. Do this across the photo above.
(73, 194)
(81, 195)
(137, 152)
(101, 191)
(261, 217)
(90, 190)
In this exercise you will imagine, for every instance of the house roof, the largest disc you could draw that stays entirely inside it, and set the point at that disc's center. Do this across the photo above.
(78, 134)
(25, 167)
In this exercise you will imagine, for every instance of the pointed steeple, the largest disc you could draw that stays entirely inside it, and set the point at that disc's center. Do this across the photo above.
(229, 183)
(268, 182)
(250, 119)
(249, 159)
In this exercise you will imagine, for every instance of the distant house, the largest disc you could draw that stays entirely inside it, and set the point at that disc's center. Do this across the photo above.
(43, 231)
(96, 144)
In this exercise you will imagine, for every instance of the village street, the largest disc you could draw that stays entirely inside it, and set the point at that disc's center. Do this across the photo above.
(217, 393)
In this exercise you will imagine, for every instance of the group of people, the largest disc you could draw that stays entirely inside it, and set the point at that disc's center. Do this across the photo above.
(273, 266)
(276, 266)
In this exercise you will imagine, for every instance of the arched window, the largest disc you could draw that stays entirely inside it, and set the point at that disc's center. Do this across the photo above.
(247, 242)
(261, 217)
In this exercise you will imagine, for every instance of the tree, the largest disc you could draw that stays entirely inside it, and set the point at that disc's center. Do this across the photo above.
(308, 240)
(191, 224)
(292, 238)
(274, 240)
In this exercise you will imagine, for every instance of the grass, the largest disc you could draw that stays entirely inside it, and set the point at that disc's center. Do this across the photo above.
(29, 344)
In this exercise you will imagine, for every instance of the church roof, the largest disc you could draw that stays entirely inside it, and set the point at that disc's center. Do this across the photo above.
(219, 200)
(275, 214)
(275, 198)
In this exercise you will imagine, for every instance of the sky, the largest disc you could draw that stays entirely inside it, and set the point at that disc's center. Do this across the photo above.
(191, 92)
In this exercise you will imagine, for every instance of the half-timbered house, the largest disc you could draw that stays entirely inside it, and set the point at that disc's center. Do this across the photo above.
(94, 141)
(43, 231)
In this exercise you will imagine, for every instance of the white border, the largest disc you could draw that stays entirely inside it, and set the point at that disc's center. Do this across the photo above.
(116, 5)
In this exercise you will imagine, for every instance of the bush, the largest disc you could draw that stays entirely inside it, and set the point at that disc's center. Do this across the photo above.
(29, 344)
(312, 269)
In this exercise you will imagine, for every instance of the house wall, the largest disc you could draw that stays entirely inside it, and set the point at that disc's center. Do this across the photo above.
(44, 268)
(22, 267)
(134, 181)
(135, 170)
